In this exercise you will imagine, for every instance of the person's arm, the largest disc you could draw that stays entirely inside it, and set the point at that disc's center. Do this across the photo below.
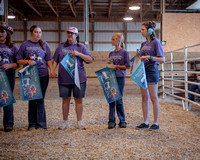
(52, 72)
(9, 65)
(119, 67)
(86, 58)
(54, 65)
(153, 58)
(23, 62)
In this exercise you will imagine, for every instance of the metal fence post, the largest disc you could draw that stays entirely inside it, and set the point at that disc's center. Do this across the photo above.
(163, 80)
(186, 77)
(172, 74)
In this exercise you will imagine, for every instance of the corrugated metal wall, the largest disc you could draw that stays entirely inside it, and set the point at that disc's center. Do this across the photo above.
(103, 32)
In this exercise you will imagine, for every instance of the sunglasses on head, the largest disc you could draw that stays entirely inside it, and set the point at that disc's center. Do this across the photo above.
(2, 31)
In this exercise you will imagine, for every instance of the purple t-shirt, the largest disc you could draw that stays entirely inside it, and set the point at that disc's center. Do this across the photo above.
(60, 53)
(8, 55)
(153, 48)
(120, 57)
(33, 51)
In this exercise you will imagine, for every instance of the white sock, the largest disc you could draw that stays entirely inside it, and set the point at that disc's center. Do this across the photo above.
(156, 123)
(146, 122)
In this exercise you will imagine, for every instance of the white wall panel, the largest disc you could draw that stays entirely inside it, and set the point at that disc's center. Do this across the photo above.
(53, 47)
(111, 26)
(133, 47)
(44, 25)
(133, 26)
(16, 24)
(50, 36)
(103, 47)
(65, 25)
(135, 37)
(18, 36)
(103, 37)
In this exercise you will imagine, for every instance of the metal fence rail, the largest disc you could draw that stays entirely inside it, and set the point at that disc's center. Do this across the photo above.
(172, 79)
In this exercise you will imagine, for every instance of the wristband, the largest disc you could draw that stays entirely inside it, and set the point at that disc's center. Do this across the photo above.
(116, 66)
(151, 58)
(27, 61)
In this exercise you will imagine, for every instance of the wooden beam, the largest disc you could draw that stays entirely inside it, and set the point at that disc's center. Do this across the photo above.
(92, 32)
(32, 7)
(81, 19)
(110, 8)
(59, 31)
(73, 11)
(125, 34)
(68, 7)
(91, 12)
(50, 5)
(25, 30)
(149, 8)
(16, 10)
(171, 4)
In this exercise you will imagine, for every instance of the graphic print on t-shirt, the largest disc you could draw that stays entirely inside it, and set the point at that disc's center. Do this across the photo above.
(4, 56)
(145, 50)
(116, 59)
(36, 54)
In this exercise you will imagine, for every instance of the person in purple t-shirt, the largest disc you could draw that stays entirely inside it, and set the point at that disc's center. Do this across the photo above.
(152, 54)
(121, 62)
(65, 82)
(31, 52)
(8, 62)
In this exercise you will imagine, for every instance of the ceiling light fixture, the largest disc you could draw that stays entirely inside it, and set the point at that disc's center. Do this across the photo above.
(134, 7)
(11, 16)
(128, 18)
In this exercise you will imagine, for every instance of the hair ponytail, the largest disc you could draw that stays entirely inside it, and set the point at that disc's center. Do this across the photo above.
(41, 44)
(120, 37)
(122, 45)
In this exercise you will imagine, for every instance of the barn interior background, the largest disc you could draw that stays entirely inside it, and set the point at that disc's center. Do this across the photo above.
(177, 26)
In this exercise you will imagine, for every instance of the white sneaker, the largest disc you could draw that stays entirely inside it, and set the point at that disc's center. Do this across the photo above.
(80, 125)
(64, 125)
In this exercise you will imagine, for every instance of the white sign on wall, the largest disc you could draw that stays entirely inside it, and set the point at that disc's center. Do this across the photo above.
(1, 7)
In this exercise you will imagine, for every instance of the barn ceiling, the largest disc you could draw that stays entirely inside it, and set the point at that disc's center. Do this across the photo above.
(99, 10)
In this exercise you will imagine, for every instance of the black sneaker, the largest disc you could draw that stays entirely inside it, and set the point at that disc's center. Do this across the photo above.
(154, 127)
(143, 126)
(8, 129)
(122, 125)
(111, 125)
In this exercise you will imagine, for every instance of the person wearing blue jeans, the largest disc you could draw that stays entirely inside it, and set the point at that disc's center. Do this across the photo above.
(193, 87)
(8, 52)
(8, 116)
(121, 62)
(119, 106)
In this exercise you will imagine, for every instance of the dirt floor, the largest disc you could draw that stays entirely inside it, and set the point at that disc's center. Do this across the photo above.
(177, 138)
